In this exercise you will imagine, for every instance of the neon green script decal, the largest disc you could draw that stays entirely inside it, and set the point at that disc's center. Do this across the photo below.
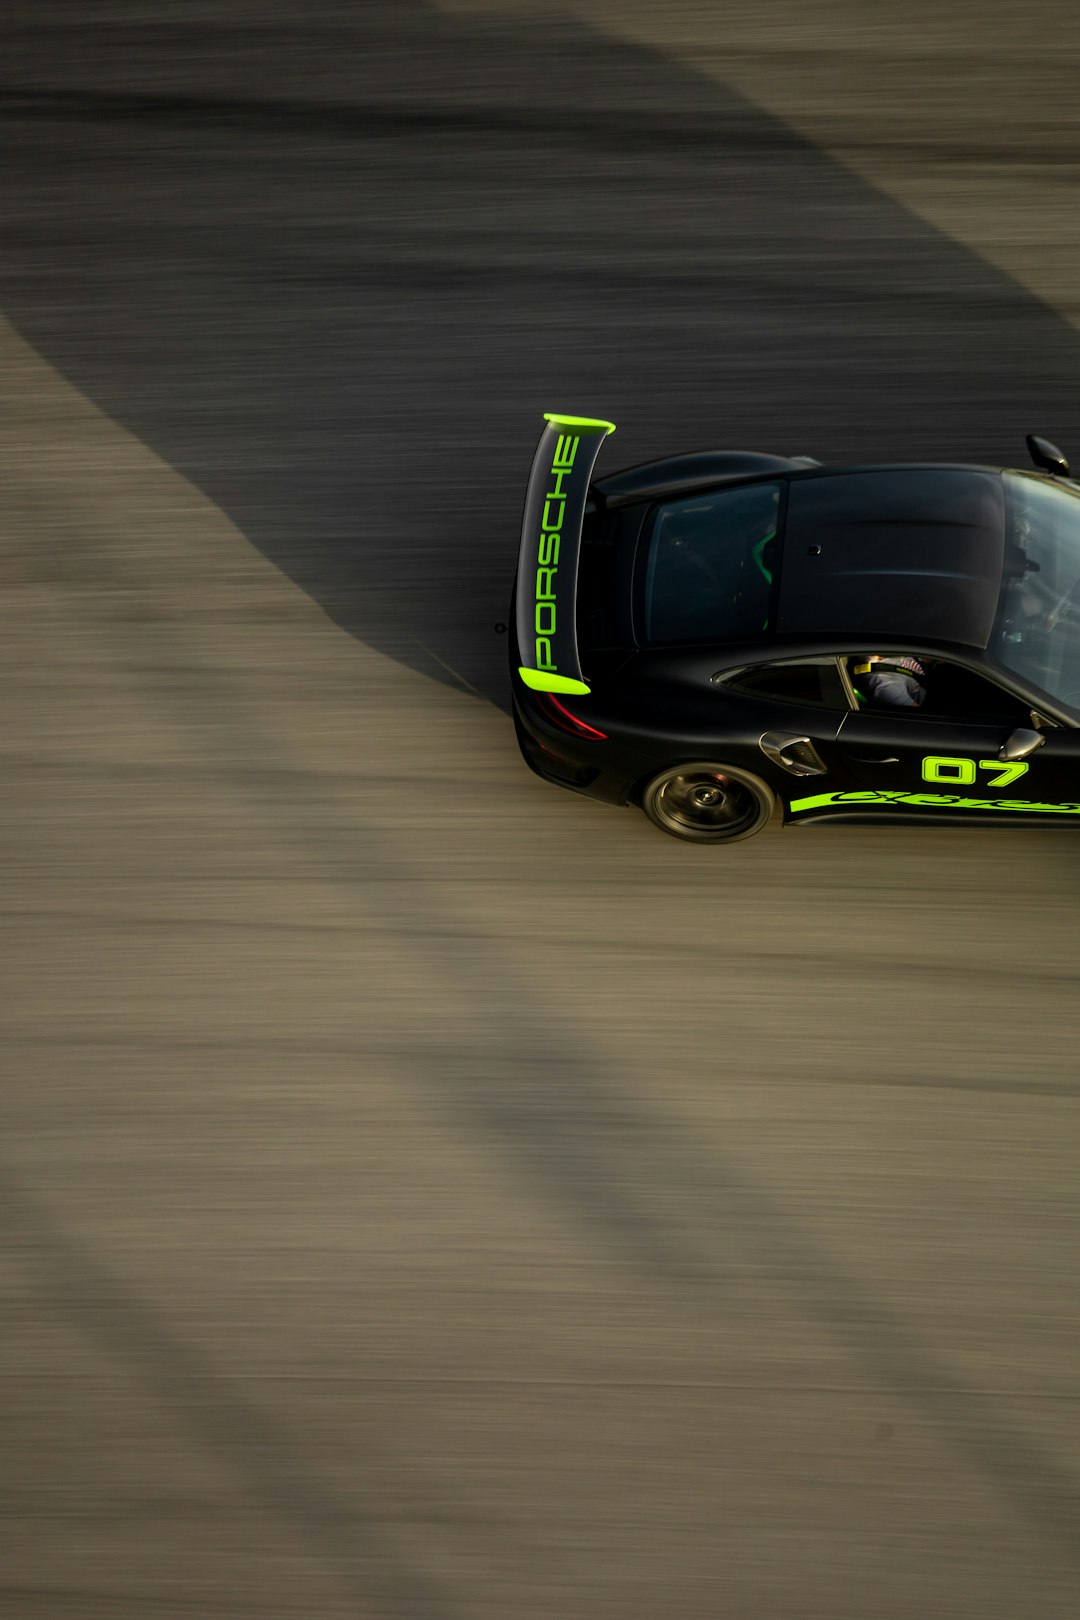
(934, 801)
(545, 616)
(545, 677)
(542, 680)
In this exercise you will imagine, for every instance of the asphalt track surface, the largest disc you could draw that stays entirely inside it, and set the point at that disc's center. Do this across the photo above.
(426, 1195)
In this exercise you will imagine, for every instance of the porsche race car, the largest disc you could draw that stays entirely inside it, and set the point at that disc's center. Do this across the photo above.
(706, 637)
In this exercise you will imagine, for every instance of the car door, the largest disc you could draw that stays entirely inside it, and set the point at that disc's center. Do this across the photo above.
(946, 756)
(799, 705)
(1053, 784)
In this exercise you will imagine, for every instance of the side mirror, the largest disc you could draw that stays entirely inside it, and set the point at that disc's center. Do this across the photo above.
(1047, 455)
(1022, 743)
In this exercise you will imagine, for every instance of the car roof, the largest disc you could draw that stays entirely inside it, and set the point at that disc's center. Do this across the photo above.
(912, 552)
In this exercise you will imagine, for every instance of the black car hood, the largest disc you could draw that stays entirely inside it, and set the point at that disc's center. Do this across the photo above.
(908, 552)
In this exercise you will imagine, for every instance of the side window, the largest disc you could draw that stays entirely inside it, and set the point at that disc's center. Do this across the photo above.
(950, 692)
(814, 681)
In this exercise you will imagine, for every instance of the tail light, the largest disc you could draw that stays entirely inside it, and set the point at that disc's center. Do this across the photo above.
(560, 716)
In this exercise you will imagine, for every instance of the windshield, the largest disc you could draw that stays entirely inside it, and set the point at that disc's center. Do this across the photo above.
(711, 565)
(1037, 634)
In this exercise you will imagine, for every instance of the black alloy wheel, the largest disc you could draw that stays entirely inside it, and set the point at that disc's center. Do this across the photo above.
(707, 803)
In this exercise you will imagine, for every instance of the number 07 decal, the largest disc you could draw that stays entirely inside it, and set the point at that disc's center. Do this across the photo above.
(962, 772)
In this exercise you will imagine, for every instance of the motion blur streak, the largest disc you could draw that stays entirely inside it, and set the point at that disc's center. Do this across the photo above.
(424, 1193)
(965, 114)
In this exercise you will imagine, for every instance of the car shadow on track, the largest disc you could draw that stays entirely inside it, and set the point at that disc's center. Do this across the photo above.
(333, 274)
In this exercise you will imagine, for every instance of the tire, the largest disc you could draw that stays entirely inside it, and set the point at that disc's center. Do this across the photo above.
(679, 801)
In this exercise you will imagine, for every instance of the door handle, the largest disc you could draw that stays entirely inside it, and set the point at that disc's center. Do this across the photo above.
(869, 759)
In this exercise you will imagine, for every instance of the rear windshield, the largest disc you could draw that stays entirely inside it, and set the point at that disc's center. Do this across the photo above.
(711, 565)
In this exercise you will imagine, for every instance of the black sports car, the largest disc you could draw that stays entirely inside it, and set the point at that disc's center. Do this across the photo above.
(716, 635)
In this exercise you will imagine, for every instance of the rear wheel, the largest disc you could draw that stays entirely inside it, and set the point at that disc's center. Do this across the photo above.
(707, 803)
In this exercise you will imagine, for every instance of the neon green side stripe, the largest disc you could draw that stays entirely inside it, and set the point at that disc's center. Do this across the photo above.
(935, 801)
(542, 680)
(817, 799)
(578, 421)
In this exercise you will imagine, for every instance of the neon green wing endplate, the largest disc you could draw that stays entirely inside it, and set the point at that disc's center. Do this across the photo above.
(540, 680)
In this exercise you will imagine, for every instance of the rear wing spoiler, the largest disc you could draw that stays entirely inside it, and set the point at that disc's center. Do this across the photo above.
(546, 599)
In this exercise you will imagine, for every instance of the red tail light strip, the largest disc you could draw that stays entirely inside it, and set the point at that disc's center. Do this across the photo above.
(560, 716)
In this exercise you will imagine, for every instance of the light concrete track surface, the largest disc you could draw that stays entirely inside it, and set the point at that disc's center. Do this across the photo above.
(425, 1194)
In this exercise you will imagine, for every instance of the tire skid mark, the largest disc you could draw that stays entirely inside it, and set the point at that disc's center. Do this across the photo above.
(382, 120)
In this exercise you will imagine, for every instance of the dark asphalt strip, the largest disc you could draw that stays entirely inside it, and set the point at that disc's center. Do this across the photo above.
(339, 311)
(378, 119)
(690, 131)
